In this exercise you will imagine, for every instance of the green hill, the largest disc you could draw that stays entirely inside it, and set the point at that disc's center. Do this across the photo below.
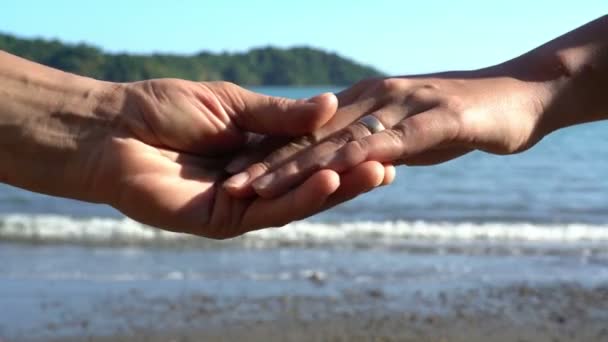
(260, 66)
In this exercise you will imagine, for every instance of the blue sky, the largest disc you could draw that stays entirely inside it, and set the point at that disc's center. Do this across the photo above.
(396, 36)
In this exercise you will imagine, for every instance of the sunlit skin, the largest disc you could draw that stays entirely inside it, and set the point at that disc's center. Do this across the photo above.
(156, 150)
(431, 119)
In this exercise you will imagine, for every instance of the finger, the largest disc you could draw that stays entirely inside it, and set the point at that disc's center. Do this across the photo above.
(437, 156)
(281, 116)
(271, 155)
(390, 173)
(293, 172)
(306, 159)
(299, 203)
(349, 95)
(344, 117)
(347, 113)
(413, 135)
(255, 153)
(359, 180)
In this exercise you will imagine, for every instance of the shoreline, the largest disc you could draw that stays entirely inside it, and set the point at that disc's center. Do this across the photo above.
(560, 312)
(71, 293)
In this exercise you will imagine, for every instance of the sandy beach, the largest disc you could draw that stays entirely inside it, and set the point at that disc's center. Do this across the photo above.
(564, 312)
(82, 293)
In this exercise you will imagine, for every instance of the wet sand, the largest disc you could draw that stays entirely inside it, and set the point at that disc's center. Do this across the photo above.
(564, 312)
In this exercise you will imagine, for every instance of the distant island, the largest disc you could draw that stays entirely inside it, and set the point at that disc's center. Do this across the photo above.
(296, 66)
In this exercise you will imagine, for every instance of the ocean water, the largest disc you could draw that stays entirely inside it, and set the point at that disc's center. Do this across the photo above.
(481, 220)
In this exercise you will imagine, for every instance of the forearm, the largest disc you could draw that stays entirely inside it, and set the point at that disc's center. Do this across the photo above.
(46, 116)
(573, 70)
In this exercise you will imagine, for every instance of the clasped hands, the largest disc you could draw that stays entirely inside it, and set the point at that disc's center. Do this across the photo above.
(216, 160)
(164, 159)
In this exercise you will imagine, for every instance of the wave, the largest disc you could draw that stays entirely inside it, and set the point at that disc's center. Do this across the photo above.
(65, 229)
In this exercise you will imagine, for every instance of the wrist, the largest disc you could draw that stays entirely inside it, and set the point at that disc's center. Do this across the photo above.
(572, 75)
(573, 89)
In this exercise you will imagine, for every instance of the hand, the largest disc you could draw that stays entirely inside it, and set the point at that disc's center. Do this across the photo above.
(156, 149)
(157, 174)
(502, 109)
(429, 120)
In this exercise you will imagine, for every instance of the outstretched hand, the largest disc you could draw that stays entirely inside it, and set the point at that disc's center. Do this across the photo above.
(428, 120)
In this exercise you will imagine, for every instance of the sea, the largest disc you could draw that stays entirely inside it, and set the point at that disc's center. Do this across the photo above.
(539, 217)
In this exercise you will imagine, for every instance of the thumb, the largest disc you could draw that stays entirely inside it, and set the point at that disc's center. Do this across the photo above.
(281, 116)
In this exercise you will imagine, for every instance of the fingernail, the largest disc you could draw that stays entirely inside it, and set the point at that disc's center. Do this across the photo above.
(263, 182)
(237, 181)
(235, 166)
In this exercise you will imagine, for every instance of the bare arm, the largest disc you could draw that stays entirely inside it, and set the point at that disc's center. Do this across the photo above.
(574, 69)
(46, 115)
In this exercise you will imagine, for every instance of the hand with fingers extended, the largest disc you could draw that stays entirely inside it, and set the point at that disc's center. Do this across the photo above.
(430, 119)
(156, 150)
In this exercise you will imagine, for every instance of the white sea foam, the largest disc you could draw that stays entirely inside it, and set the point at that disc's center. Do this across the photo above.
(441, 231)
(55, 227)
(45, 228)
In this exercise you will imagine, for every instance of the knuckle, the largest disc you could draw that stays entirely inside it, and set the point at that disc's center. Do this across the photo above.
(392, 86)
(224, 84)
(295, 168)
(221, 87)
(396, 135)
(422, 95)
(291, 168)
(353, 132)
(352, 154)
(280, 103)
(259, 168)
(452, 104)
(289, 150)
(228, 94)
(356, 152)
(358, 146)
(341, 138)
